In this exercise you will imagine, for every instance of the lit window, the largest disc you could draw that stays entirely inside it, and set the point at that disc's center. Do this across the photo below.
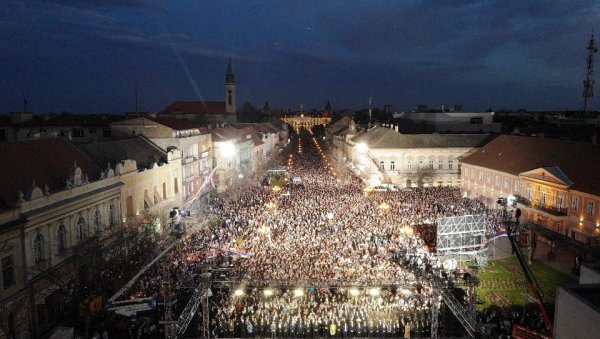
(430, 164)
(497, 181)
(506, 183)
(590, 207)
(575, 203)
(392, 165)
(409, 165)
(480, 175)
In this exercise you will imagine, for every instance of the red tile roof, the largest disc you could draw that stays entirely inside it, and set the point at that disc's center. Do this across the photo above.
(47, 161)
(516, 154)
(196, 107)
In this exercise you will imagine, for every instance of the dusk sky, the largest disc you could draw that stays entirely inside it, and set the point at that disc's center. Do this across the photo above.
(84, 56)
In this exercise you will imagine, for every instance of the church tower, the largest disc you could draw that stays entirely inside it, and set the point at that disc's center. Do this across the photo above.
(230, 90)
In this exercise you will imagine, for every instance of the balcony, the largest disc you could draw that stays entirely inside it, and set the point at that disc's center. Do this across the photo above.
(554, 210)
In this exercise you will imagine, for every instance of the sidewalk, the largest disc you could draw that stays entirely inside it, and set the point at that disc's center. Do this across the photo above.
(563, 261)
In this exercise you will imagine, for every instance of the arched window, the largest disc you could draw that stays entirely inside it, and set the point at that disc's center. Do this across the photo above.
(38, 248)
(80, 229)
(97, 221)
(111, 215)
(61, 235)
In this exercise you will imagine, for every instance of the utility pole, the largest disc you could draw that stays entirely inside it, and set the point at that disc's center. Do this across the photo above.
(370, 112)
(588, 83)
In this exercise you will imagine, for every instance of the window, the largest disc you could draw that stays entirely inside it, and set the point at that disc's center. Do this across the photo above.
(472, 173)
(560, 201)
(61, 235)
(575, 203)
(97, 221)
(92, 131)
(80, 229)
(77, 133)
(409, 165)
(543, 197)
(480, 175)
(450, 164)
(476, 121)
(591, 205)
(106, 132)
(8, 271)
(38, 249)
(392, 165)
(528, 191)
(497, 179)
(430, 164)
(111, 215)
(421, 165)
(488, 178)
(506, 183)
(382, 165)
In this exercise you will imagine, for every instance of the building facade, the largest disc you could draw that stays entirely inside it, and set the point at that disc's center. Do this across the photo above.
(547, 178)
(67, 213)
(382, 155)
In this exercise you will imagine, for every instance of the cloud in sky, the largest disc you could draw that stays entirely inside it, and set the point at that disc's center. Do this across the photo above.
(85, 56)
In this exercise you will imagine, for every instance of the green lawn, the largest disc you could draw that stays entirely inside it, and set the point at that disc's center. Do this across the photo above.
(503, 283)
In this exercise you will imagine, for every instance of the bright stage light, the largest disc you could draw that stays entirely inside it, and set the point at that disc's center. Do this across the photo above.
(354, 292)
(374, 291)
(239, 292)
(298, 292)
(268, 292)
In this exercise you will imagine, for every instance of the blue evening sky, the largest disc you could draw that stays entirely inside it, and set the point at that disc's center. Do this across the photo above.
(86, 55)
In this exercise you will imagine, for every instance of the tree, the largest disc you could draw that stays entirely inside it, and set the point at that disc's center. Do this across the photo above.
(249, 113)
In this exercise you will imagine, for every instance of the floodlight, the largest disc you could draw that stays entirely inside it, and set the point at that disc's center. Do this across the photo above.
(298, 292)
(354, 292)
(268, 292)
(239, 292)
(375, 291)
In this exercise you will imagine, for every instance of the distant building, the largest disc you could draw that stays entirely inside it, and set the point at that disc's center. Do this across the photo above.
(429, 122)
(302, 119)
(76, 128)
(383, 155)
(208, 112)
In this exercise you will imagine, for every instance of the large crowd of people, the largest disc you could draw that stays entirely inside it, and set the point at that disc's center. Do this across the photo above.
(326, 236)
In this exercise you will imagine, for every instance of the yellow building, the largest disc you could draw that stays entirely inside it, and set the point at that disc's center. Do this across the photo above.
(151, 177)
(554, 182)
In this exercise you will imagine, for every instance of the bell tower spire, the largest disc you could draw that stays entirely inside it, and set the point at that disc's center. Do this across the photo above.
(230, 90)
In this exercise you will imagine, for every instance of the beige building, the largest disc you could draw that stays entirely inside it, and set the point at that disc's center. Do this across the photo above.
(151, 177)
(382, 155)
(67, 211)
(190, 138)
(554, 182)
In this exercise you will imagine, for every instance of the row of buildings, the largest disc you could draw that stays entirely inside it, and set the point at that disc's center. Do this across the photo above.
(65, 207)
(552, 181)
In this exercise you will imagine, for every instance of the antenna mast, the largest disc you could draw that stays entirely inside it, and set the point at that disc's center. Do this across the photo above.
(588, 83)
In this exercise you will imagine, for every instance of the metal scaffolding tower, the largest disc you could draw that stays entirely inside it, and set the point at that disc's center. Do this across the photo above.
(201, 294)
(465, 316)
